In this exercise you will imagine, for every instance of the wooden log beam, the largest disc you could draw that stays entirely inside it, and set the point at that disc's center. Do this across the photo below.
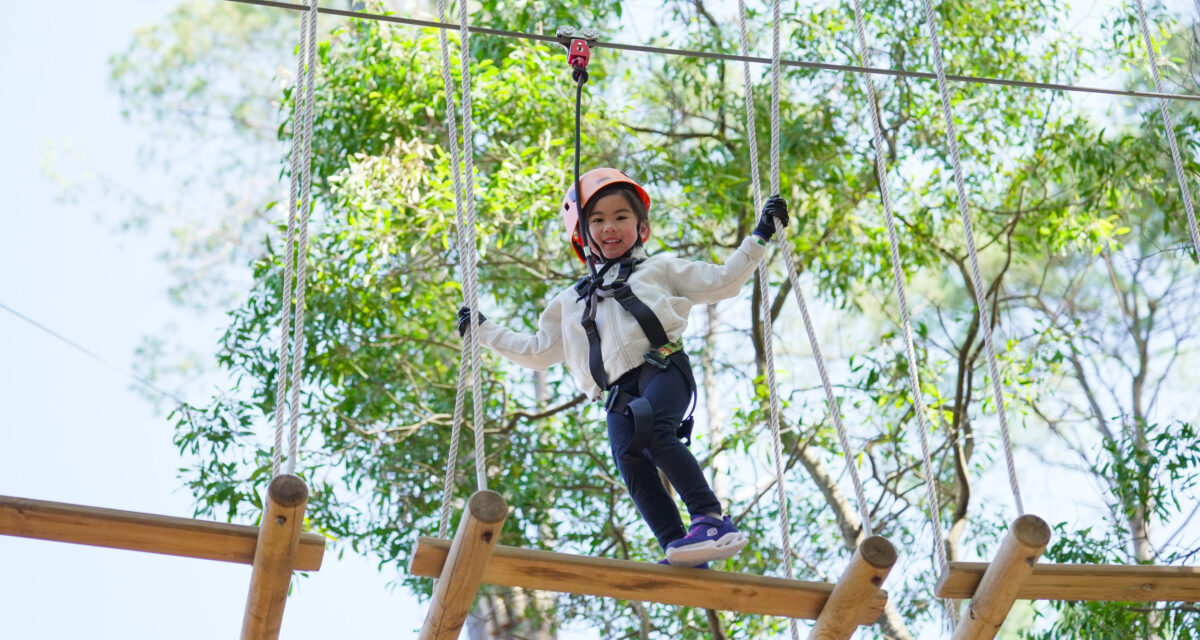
(167, 535)
(454, 593)
(274, 560)
(857, 588)
(1085, 582)
(647, 582)
(1013, 564)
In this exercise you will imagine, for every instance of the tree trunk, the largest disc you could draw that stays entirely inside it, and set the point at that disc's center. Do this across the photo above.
(712, 402)
(506, 615)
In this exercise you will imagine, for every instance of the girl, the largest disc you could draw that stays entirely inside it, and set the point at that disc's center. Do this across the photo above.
(618, 332)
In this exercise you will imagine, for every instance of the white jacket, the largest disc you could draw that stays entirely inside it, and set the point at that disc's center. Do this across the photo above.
(666, 284)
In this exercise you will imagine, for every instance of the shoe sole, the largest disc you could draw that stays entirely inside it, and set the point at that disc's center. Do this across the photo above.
(702, 565)
(724, 547)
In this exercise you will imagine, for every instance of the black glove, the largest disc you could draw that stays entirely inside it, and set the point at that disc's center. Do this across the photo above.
(464, 319)
(774, 216)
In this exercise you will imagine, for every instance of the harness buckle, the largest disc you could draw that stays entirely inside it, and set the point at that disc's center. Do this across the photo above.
(660, 357)
(613, 399)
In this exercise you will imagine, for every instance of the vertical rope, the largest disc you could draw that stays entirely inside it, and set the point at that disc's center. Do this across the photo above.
(472, 277)
(1180, 174)
(775, 74)
(463, 252)
(898, 276)
(978, 291)
(785, 248)
(776, 438)
(464, 363)
(935, 510)
(298, 342)
(465, 218)
(291, 335)
(289, 255)
(763, 290)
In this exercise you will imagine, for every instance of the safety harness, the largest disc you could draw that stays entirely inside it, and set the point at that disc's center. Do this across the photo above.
(599, 284)
(663, 355)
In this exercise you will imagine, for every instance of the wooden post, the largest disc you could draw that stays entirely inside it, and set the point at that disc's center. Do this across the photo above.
(278, 539)
(856, 590)
(1012, 566)
(454, 593)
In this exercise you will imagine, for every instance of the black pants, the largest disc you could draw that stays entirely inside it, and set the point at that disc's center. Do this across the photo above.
(670, 396)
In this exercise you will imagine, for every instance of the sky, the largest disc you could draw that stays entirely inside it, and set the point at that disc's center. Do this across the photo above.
(71, 428)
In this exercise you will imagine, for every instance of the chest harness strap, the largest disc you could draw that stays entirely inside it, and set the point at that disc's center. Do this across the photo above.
(662, 355)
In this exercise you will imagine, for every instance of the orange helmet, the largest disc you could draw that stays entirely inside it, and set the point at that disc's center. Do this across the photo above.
(590, 183)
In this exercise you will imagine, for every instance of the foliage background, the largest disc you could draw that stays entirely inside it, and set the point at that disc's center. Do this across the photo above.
(1090, 286)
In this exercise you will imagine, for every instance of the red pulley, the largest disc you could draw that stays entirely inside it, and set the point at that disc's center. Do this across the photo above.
(578, 53)
(579, 43)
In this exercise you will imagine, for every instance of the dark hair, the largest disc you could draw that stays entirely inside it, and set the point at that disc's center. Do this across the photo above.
(631, 194)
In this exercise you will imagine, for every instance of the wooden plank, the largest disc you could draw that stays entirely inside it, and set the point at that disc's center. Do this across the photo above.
(997, 591)
(463, 569)
(1085, 582)
(628, 580)
(278, 540)
(61, 522)
(858, 586)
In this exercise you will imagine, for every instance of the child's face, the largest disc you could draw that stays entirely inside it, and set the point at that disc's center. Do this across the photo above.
(614, 227)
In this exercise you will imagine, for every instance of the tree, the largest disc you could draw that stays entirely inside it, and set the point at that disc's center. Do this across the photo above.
(1051, 198)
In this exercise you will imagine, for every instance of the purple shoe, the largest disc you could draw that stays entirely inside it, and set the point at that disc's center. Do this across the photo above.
(708, 540)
